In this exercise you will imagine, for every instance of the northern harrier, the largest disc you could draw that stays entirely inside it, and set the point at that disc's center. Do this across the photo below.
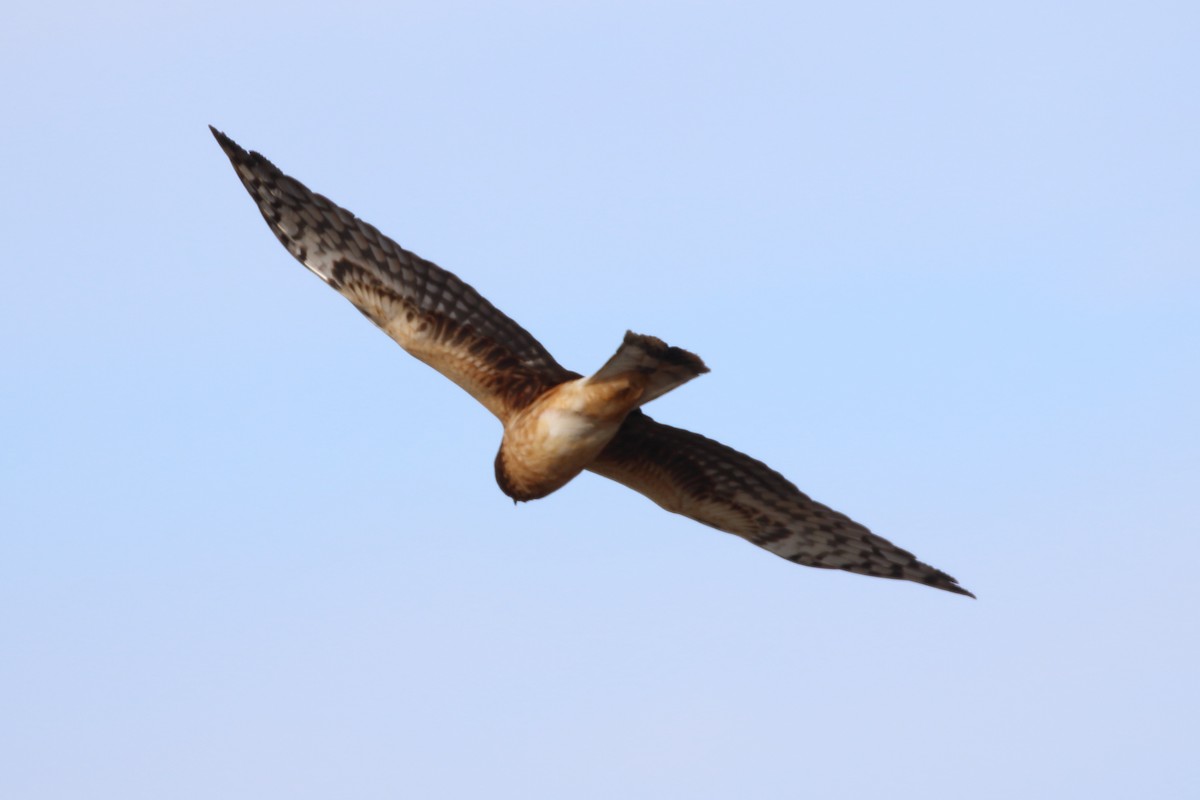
(558, 423)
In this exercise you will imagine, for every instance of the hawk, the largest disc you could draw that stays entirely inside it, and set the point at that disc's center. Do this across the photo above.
(558, 423)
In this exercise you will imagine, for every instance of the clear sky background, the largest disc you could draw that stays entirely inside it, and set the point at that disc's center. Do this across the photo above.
(942, 258)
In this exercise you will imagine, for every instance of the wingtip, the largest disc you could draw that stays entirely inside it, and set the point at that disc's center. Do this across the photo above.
(950, 585)
(238, 154)
(934, 578)
(230, 147)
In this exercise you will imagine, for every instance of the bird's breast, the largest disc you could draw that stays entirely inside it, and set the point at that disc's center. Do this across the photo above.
(552, 441)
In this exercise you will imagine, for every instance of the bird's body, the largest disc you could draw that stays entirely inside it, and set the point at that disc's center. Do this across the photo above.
(556, 422)
(558, 435)
(565, 430)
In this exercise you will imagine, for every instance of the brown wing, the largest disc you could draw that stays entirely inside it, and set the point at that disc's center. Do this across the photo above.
(429, 311)
(689, 474)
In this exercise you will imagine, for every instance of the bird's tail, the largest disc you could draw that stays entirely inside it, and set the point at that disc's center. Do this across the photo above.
(658, 367)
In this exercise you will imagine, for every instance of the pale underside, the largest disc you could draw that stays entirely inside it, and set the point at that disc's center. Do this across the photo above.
(445, 323)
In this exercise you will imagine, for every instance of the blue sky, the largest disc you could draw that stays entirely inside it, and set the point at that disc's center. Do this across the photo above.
(943, 260)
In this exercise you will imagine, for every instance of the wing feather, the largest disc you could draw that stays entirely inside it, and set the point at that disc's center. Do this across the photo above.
(429, 311)
(692, 475)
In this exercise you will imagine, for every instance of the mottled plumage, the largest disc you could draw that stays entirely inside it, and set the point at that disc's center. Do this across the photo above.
(558, 423)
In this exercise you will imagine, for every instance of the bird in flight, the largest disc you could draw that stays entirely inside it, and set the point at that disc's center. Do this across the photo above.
(558, 423)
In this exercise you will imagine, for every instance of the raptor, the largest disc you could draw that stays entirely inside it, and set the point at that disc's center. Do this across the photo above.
(558, 423)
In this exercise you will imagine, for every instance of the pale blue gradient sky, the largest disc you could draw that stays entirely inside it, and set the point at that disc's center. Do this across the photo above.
(944, 262)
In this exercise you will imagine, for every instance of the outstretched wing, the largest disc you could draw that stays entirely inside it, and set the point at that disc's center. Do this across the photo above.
(692, 475)
(429, 311)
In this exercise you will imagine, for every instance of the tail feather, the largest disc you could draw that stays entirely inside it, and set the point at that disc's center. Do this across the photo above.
(660, 366)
